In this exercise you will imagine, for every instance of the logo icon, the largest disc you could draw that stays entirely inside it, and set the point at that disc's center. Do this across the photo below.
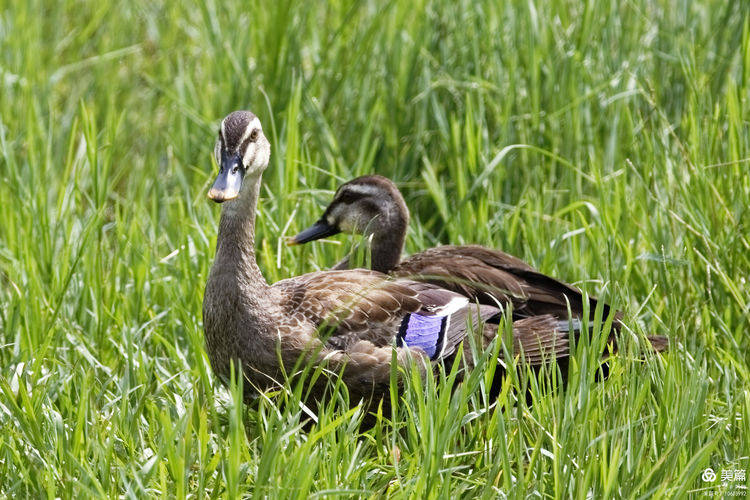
(708, 476)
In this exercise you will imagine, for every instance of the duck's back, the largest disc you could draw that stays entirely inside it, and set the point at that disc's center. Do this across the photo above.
(495, 278)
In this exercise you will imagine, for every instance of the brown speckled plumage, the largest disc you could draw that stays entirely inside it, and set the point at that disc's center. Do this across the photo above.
(373, 205)
(345, 319)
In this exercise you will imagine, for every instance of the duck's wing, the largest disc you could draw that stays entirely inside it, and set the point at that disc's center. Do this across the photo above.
(495, 278)
(361, 315)
(351, 306)
(350, 299)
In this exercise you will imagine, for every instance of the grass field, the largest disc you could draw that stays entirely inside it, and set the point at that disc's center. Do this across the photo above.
(605, 142)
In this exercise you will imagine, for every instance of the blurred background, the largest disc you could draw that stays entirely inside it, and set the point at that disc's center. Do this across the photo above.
(604, 142)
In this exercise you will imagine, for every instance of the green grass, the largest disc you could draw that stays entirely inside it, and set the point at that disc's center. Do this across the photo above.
(605, 142)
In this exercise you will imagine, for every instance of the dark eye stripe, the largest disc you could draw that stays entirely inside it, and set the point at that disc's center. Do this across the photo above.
(243, 146)
(347, 197)
(253, 136)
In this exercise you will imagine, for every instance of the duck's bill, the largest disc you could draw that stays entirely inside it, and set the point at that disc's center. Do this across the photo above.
(319, 230)
(228, 183)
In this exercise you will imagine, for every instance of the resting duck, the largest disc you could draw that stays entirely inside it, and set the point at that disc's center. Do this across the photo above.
(373, 205)
(348, 320)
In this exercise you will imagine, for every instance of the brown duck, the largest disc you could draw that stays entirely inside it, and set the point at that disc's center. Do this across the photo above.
(350, 321)
(372, 205)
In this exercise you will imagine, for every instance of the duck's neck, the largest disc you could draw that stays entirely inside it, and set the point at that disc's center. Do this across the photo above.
(387, 235)
(386, 247)
(235, 247)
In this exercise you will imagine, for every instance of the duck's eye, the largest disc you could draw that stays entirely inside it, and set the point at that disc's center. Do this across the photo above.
(254, 135)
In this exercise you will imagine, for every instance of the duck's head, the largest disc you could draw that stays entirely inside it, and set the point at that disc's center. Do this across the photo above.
(370, 204)
(241, 151)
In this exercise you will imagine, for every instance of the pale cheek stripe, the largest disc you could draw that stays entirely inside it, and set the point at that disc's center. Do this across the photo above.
(246, 158)
(363, 189)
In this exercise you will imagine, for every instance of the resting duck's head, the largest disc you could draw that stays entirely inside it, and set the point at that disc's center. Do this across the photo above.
(241, 151)
(370, 204)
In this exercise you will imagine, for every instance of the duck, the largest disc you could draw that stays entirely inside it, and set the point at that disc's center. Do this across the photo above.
(373, 206)
(352, 322)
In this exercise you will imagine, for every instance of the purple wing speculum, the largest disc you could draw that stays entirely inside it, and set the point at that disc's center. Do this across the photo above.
(423, 332)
